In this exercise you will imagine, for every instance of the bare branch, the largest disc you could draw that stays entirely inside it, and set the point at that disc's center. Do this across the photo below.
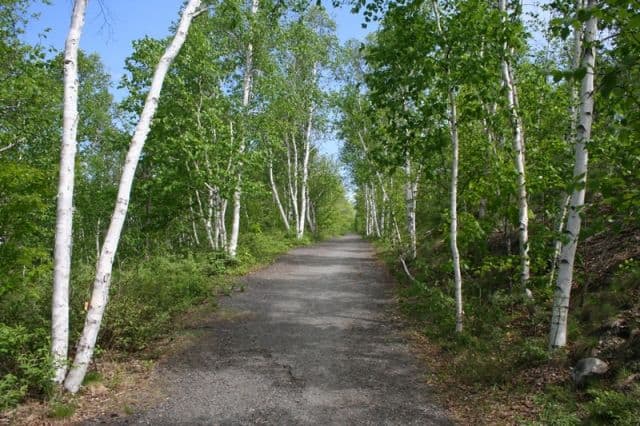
(11, 145)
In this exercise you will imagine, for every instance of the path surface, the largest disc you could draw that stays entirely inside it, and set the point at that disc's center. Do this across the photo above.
(310, 341)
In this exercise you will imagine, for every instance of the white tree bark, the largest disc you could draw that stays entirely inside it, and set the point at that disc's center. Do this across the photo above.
(557, 247)
(560, 312)
(221, 226)
(577, 57)
(455, 254)
(206, 221)
(367, 212)
(276, 197)
(305, 171)
(292, 178)
(453, 234)
(410, 191)
(246, 94)
(64, 214)
(519, 157)
(374, 211)
(194, 228)
(86, 344)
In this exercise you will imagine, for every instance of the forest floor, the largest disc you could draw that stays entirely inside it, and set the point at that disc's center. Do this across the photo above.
(311, 339)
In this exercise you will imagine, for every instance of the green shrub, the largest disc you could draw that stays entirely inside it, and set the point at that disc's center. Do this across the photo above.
(25, 364)
(144, 299)
(61, 410)
(559, 406)
(531, 353)
(614, 408)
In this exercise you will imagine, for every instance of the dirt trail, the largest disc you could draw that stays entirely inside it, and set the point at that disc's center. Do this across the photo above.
(310, 341)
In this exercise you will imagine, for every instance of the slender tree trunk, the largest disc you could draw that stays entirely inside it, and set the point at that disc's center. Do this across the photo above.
(222, 226)
(276, 197)
(453, 129)
(64, 216)
(194, 228)
(577, 57)
(410, 190)
(246, 94)
(519, 157)
(293, 180)
(100, 294)
(367, 212)
(557, 248)
(305, 171)
(455, 254)
(211, 217)
(560, 312)
(206, 221)
(374, 212)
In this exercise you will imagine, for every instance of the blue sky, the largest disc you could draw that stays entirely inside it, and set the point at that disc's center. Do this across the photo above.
(112, 25)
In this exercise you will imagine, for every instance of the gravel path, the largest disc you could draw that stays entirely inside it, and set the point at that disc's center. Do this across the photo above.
(310, 341)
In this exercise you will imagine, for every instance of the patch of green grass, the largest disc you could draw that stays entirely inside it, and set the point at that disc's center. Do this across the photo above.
(61, 410)
(92, 377)
(614, 407)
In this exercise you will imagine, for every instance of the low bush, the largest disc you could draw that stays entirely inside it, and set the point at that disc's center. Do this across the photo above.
(25, 365)
(146, 295)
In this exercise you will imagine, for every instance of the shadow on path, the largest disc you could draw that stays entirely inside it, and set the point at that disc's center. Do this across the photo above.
(311, 343)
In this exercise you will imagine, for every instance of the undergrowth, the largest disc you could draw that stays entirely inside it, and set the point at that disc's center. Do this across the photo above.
(502, 352)
(146, 296)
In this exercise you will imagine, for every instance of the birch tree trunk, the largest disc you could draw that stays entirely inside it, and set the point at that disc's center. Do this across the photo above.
(86, 344)
(410, 191)
(246, 94)
(221, 226)
(206, 221)
(519, 157)
(276, 197)
(560, 312)
(455, 254)
(64, 214)
(367, 212)
(293, 180)
(194, 228)
(557, 247)
(305, 171)
(374, 211)
(577, 57)
(453, 234)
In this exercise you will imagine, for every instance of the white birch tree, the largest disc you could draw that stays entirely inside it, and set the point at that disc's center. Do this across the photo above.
(100, 293)
(411, 194)
(453, 206)
(64, 216)
(509, 81)
(560, 312)
(246, 95)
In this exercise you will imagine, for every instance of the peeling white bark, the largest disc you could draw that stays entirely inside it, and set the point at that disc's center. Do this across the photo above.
(194, 228)
(453, 234)
(86, 344)
(557, 247)
(276, 197)
(246, 94)
(305, 170)
(455, 254)
(64, 213)
(519, 158)
(411, 191)
(560, 312)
